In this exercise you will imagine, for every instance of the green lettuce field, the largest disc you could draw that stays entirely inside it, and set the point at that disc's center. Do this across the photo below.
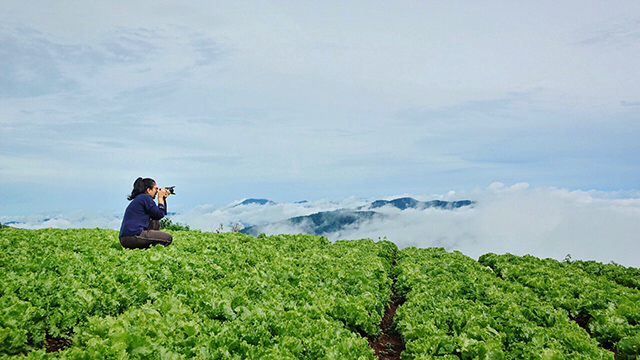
(77, 294)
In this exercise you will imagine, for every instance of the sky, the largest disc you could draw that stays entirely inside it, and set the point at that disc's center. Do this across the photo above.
(313, 100)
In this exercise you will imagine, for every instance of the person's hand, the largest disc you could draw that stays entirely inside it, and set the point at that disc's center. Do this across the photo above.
(164, 193)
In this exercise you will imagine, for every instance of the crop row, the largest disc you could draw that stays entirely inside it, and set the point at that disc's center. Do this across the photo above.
(233, 296)
(458, 309)
(625, 276)
(213, 296)
(610, 312)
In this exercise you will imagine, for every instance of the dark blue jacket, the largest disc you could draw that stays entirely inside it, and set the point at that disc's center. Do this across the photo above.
(138, 213)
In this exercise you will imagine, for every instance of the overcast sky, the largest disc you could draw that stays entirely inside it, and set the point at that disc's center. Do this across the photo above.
(293, 100)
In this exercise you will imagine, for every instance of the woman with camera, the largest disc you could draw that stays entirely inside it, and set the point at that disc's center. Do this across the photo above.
(141, 222)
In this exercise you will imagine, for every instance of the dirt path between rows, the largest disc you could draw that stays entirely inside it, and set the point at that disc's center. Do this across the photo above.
(52, 344)
(389, 344)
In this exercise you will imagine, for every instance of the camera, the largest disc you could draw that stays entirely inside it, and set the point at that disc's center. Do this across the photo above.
(170, 188)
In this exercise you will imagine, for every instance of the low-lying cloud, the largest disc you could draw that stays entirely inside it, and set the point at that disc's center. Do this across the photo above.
(544, 222)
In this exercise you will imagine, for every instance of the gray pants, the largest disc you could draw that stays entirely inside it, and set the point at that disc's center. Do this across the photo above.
(150, 237)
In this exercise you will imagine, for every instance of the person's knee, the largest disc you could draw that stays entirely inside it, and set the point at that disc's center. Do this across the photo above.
(129, 242)
(168, 239)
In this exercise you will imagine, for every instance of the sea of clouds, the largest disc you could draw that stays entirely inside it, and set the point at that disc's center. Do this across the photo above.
(518, 219)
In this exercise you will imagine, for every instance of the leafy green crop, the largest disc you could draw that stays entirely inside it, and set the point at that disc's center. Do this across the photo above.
(458, 309)
(608, 310)
(213, 296)
(234, 296)
(625, 276)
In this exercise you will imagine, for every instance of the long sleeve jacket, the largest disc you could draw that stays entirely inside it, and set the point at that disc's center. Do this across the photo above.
(138, 213)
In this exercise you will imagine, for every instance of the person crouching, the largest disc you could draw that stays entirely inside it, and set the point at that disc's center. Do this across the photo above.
(140, 227)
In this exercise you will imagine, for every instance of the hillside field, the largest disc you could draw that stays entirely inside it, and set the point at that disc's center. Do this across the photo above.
(77, 294)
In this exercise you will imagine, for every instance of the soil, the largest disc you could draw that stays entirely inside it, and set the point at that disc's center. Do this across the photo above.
(389, 344)
(582, 322)
(56, 344)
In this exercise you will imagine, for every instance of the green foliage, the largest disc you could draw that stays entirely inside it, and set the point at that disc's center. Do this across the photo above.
(625, 276)
(457, 308)
(234, 296)
(218, 296)
(589, 293)
(167, 224)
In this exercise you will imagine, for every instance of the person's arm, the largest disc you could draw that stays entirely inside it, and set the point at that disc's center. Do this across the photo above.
(163, 194)
(156, 212)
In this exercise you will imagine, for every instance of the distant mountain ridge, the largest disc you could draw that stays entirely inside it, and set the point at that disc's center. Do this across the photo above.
(327, 222)
(411, 203)
(255, 201)
(402, 203)
(321, 223)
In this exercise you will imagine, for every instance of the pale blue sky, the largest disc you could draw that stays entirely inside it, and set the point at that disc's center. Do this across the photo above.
(313, 100)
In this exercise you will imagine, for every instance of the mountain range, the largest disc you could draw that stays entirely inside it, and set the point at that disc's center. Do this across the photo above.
(327, 222)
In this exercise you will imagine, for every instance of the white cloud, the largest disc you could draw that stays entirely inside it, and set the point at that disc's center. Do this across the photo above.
(520, 219)
(209, 217)
(75, 219)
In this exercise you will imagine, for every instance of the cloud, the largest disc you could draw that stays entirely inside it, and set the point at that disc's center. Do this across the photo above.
(616, 32)
(75, 219)
(545, 222)
(36, 63)
(209, 217)
(519, 219)
(28, 67)
(208, 49)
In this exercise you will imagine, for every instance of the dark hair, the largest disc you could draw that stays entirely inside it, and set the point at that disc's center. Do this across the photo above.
(140, 186)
